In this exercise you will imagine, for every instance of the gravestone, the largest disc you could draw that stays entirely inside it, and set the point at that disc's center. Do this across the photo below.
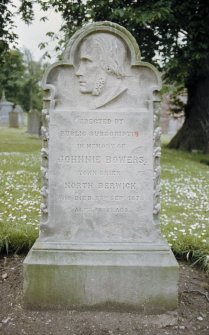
(13, 119)
(34, 122)
(21, 118)
(5, 108)
(100, 244)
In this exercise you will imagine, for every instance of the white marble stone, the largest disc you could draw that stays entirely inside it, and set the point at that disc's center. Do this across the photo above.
(101, 181)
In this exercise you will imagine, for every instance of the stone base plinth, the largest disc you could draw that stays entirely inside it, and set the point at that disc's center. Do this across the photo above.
(119, 277)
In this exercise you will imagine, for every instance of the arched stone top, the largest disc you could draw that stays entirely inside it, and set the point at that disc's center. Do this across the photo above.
(103, 27)
(122, 73)
(118, 31)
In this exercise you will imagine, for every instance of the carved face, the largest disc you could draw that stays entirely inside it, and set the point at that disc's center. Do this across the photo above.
(90, 73)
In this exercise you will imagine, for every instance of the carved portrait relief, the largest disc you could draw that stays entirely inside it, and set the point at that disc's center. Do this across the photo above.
(103, 62)
(102, 69)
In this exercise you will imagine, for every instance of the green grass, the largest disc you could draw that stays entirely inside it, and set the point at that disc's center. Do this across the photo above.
(16, 140)
(184, 201)
(20, 184)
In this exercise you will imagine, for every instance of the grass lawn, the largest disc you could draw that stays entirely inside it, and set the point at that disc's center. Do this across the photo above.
(185, 195)
(185, 203)
(20, 185)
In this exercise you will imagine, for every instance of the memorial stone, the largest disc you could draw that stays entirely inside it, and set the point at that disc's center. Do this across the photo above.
(5, 108)
(21, 118)
(34, 122)
(13, 119)
(100, 244)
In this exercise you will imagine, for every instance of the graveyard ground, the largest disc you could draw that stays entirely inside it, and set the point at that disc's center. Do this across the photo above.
(193, 310)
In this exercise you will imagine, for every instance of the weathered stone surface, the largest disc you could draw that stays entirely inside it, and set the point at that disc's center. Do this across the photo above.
(100, 243)
(34, 122)
(13, 119)
(5, 108)
(142, 280)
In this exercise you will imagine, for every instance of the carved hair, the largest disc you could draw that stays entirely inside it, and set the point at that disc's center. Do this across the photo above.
(110, 50)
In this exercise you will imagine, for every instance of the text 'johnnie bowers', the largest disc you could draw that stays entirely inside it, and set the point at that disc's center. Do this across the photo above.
(100, 159)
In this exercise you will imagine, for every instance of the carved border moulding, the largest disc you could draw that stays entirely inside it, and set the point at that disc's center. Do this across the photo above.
(156, 160)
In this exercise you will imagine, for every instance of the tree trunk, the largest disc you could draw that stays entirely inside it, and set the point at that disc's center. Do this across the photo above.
(194, 134)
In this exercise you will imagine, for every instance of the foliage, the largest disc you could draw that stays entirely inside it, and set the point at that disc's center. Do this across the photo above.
(12, 75)
(171, 33)
(176, 97)
(31, 93)
(8, 35)
(177, 31)
(19, 78)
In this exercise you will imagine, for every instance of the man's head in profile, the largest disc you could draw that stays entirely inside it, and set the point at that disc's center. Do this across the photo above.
(102, 63)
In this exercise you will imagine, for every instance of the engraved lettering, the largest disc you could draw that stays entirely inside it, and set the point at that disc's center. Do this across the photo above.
(100, 146)
(88, 172)
(80, 159)
(101, 133)
(95, 121)
(74, 185)
(125, 160)
(99, 173)
(72, 133)
(83, 198)
(119, 121)
(117, 186)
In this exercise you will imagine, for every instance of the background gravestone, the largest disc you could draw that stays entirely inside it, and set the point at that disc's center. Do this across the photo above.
(34, 122)
(21, 117)
(100, 243)
(5, 108)
(13, 119)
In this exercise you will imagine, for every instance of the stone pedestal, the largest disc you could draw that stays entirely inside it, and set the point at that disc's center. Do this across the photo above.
(58, 275)
(100, 244)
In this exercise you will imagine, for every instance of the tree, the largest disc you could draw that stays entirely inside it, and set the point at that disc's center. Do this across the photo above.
(177, 32)
(31, 93)
(12, 75)
(20, 76)
(8, 36)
